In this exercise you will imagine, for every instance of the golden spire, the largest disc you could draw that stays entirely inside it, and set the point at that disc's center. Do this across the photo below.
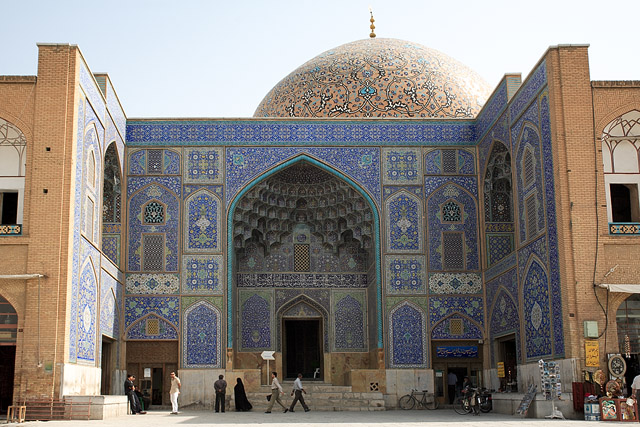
(373, 27)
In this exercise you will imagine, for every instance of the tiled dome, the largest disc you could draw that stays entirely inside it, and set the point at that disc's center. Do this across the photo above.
(378, 78)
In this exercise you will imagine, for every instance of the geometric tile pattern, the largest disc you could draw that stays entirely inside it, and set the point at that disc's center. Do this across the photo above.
(360, 164)
(166, 307)
(441, 307)
(504, 318)
(438, 227)
(201, 336)
(255, 320)
(455, 283)
(171, 162)
(404, 223)
(203, 165)
(87, 316)
(111, 247)
(401, 166)
(443, 330)
(407, 336)
(152, 284)
(349, 316)
(405, 274)
(152, 327)
(137, 162)
(536, 310)
(530, 141)
(202, 274)
(288, 299)
(299, 132)
(301, 280)
(110, 305)
(499, 245)
(202, 222)
(466, 162)
(170, 226)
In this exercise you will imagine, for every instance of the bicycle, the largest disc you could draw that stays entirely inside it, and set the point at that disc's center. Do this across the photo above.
(463, 405)
(422, 398)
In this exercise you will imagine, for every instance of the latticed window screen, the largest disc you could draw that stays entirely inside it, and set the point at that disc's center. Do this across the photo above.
(153, 213)
(91, 170)
(301, 261)
(451, 212)
(456, 327)
(154, 161)
(88, 227)
(449, 163)
(528, 168)
(152, 252)
(452, 251)
(532, 217)
(153, 327)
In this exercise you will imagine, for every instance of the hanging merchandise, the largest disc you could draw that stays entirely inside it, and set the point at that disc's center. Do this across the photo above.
(551, 385)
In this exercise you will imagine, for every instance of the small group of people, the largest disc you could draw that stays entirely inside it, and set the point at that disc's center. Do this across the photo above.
(220, 388)
(276, 391)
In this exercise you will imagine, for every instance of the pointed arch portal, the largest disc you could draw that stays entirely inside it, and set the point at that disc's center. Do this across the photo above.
(375, 243)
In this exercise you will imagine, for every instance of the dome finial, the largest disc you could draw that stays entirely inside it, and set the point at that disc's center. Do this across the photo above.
(373, 27)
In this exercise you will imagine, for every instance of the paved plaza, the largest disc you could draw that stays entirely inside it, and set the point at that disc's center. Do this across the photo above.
(437, 418)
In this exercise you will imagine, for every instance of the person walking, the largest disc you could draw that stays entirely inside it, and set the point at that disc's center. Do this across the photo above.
(239, 395)
(130, 391)
(174, 392)
(220, 387)
(452, 381)
(298, 390)
(276, 391)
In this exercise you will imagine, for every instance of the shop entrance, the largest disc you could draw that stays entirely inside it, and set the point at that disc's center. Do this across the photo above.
(303, 348)
(152, 362)
(507, 355)
(8, 334)
(461, 358)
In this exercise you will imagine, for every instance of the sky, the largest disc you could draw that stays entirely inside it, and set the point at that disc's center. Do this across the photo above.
(198, 58)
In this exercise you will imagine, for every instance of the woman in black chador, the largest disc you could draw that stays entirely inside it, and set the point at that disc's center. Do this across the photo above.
(242, 403)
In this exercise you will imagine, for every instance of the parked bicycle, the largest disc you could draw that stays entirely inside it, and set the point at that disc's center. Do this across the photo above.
(423, 399)
(481, 398)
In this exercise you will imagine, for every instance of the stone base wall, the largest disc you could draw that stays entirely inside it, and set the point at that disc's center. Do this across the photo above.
(102, 407)
(80, 380)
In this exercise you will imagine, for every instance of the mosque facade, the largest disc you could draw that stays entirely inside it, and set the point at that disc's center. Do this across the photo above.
(385, 218)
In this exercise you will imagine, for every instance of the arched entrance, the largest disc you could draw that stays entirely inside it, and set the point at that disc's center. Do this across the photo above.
(628, 325)
(8, 334)
(303, 264)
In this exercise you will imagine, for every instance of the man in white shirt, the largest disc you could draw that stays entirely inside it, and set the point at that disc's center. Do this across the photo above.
(276, 391)
(174, 392)
(298, 390)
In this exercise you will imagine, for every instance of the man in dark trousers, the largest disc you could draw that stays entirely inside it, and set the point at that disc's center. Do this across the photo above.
(220, 387)
(298, 390)
(130, 391)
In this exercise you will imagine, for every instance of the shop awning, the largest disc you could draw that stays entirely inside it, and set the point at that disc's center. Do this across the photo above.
(628, 288)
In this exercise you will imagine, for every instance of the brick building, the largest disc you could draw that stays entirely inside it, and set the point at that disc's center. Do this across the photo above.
(385, 218)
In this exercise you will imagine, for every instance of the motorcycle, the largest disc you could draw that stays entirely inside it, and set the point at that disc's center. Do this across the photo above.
(485, 402)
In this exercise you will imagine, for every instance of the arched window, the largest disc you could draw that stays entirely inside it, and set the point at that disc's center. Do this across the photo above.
(497, 185)
(620, 155)
(111, 205)
(13, 160)
(628, 321)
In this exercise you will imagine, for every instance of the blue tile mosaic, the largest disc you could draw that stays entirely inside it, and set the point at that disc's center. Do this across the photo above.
(405, 274)
(115, 110)
(504, 317)
(166, 307)
(138, 162)
(508, 262)
(499, 132)
(218, 190)
(470, 330)
(468, 226)
(244, 164)
(554, 263)
(111, 247)
(153, 284)
(319, 299)
(492, 109)
(203, 165)
(201, 336)
(255, 321)
(441, 307)
(433, 162)
(432, 183)
(349, 321)
(301, 280)
(404, 223)
(499, 246)
(407, 337)
(536, 312)
(530, 88)
(460, 351)
(455, 283)
(170, 228)
(171, 162)
(202, 274)
(466, 162)
(136, 183)
(298, 132)
(110, 305)
(401, 166)
(153, 328)
(202, 222)
(92, 91)
(86, 314)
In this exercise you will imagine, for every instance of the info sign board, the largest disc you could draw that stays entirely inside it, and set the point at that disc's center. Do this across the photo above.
(500, 369)
(592, 352)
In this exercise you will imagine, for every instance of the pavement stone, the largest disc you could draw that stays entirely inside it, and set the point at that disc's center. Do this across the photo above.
(393, 418)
